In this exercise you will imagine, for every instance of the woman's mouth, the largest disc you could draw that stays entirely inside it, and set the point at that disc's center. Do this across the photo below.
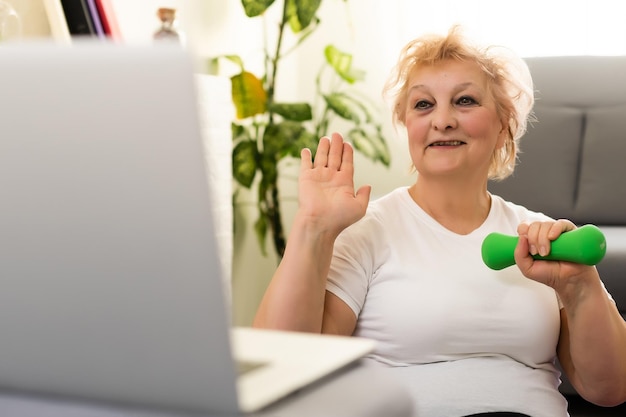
(447, 143)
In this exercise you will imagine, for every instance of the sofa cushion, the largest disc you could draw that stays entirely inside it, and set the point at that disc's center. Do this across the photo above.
(579, 81)
(552, 141)
(602, 189)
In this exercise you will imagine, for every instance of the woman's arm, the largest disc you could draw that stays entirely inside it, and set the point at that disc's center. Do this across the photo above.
(296, 298)
(592, 342)
(592, 348)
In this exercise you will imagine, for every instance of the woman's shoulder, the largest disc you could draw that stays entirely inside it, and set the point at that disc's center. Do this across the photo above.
(519, 212)
(392, 200)
(382, 211)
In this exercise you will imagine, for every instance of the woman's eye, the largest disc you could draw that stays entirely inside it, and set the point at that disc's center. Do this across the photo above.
(422, 105)
(466, 101)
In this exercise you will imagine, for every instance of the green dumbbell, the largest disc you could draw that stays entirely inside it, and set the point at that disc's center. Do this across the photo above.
(585, 245)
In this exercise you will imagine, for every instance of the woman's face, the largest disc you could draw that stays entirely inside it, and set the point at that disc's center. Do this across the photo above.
(451, 120)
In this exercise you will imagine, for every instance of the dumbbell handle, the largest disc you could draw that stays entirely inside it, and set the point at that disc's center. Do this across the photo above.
(584, 245)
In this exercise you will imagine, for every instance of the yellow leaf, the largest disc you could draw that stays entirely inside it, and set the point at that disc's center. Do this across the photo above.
(248, 95)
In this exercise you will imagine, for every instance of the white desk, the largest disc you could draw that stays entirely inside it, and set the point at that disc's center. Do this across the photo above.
(358, 391)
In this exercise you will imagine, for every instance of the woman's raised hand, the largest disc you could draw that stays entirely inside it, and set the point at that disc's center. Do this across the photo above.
(326, 186)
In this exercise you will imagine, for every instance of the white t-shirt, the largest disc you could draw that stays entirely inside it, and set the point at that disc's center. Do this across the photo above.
(466, 338)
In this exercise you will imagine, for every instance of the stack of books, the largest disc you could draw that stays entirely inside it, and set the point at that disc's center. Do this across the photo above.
(71, 18)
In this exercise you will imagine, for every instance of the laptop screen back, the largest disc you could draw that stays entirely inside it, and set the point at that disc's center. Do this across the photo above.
(111, 286)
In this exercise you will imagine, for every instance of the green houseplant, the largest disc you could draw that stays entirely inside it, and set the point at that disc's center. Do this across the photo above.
(267, 131)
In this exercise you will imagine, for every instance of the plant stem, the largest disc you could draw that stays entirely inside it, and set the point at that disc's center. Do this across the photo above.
(275, 217)
(271, 196)
(271, 88)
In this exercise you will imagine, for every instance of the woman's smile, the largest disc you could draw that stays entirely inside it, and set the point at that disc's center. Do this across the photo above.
(447, 143)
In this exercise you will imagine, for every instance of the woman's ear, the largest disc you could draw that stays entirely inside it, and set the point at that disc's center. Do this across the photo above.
(503, 135)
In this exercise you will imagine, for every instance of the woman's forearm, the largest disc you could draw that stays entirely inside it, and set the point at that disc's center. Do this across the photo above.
(294, 299)
(596, 342)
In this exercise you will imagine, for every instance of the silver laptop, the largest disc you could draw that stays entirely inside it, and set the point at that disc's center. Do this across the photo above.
(110, 280)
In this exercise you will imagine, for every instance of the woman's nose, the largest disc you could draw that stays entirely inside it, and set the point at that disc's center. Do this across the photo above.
(444, 118)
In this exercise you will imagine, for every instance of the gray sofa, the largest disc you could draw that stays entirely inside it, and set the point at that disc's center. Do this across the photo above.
(573, 158)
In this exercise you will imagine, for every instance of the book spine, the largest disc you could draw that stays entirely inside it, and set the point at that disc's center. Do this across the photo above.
(95, 18)
(77, 17)
(109, 20)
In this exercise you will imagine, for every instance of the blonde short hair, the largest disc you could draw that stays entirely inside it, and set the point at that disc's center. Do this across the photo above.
(510, 84)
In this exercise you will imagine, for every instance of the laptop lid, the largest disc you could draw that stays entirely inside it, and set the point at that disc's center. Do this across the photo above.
(105, 230)
(111, 282)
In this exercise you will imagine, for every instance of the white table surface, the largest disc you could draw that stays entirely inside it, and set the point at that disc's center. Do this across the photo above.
(358, 391)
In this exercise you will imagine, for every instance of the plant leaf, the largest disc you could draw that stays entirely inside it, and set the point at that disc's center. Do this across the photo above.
(373, 146)
(298, 112)
(255, 7)
(213, 63)
(260, 229)
(248, 95)
(306, 139)
(239, 133)
(278, 138)
(301, 13)
(344, 106)
(245, 158)
(341, 62)
(212, 66)
(269, 170)
(233, 58)
(359, 103)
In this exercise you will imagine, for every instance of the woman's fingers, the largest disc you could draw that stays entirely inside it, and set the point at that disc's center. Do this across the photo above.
(363, 195)
(347, 158)
(321, 155)
(330, 152)
(538, 238)
(336, 152)
(305, 159)
(541, 234)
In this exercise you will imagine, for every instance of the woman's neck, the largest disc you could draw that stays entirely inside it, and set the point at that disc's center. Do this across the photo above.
(459, 207)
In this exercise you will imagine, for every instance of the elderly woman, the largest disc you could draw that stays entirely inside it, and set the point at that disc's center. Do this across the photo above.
(406, 269)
